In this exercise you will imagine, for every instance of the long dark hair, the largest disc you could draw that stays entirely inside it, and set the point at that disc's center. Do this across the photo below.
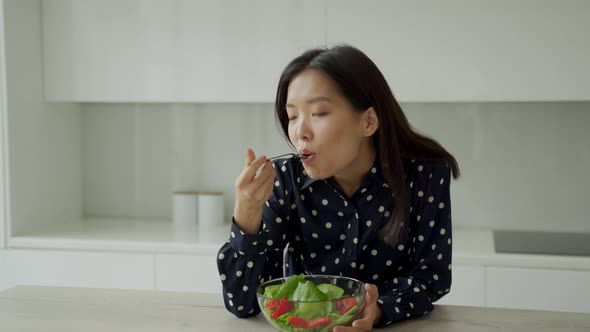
(361, 82)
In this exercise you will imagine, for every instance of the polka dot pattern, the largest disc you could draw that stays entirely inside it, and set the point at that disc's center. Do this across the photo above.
(329, 233)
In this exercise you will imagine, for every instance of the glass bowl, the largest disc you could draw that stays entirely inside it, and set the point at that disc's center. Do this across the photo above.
(293, 304)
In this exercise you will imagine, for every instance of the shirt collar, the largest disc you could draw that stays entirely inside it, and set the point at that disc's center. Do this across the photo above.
(307, 181)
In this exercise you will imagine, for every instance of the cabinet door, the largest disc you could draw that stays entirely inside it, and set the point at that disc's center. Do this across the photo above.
(78, 269)
(540, 289)
(465, 50)
(187, 273)
(181, 50)
(467, 287)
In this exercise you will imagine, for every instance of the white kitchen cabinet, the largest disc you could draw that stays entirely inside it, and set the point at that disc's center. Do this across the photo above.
(178, 51)
(465, 50)
(467, 287)
(539, 289)
(187, 273)
(78, 269)
(234, 51)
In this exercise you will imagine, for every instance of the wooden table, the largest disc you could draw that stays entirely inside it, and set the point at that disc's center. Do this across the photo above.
(31, 309)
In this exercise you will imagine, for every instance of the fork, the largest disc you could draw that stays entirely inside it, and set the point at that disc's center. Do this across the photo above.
(295, 155)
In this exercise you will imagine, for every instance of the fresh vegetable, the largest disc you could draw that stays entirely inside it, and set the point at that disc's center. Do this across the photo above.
(333, 292)
(283, 307)
(272, 304)
(298, 322)
(314, 307)
(307, 291)
(345, 304)
(319, 322)
(285, 289)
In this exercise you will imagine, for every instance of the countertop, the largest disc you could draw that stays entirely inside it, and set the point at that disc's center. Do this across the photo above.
(47, 309)
(476, 247)
(470, 246)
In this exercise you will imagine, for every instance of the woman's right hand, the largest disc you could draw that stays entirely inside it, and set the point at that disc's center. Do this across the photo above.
(252, 191)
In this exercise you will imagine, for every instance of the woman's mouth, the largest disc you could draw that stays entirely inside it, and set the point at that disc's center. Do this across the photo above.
(307, 157)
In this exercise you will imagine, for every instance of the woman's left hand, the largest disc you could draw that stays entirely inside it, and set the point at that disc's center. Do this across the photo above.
(370, 315)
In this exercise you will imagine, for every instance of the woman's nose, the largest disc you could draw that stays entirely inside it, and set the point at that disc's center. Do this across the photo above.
(304, 131)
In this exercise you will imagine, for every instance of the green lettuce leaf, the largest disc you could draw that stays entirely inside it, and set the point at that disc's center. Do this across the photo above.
(285, 289)
(334, 292)
(271, 291)
(283, 323)
(308, 291)
(313, 310)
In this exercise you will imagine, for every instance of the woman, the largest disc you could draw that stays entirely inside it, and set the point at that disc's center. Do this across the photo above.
(369, 197)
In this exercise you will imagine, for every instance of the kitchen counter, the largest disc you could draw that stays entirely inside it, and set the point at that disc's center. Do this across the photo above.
(476, 247)
(470, 246)
(47, 309)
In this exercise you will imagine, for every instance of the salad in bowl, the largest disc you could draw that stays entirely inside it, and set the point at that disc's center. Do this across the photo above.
(311, 302)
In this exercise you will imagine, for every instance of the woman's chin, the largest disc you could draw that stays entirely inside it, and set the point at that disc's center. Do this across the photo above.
(315, 173)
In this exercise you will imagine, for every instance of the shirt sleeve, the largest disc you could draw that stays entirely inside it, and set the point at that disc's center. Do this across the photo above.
(428, 277)
(247, 260)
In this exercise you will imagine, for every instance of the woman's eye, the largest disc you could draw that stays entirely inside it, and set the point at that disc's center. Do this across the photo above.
(291, 118)
(320, 114)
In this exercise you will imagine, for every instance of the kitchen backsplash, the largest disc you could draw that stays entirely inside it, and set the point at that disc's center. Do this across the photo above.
(524, 165)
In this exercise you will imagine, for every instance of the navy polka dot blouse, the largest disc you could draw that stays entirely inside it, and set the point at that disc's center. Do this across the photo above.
(310, 227)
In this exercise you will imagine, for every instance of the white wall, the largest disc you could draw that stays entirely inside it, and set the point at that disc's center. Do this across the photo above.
(136, 155)
(3, 165)
(4, 283)
(3, 143)
(523, 164)
(44, 138)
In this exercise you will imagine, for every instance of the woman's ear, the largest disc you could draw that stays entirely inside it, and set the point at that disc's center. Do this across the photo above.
(370, 121)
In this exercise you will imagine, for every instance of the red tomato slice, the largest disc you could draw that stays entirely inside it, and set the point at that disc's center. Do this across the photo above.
(283, 308)
(298, 322)
(319, 322)
(272, 304)
(345, 304)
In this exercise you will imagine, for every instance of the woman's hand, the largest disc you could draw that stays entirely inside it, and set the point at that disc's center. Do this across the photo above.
(252, 190)
(370, 315)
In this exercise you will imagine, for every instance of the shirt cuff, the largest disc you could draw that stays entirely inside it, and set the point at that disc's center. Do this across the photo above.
(393, 311)
(246, 244)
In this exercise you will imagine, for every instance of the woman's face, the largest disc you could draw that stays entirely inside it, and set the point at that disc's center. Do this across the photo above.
(323, 124)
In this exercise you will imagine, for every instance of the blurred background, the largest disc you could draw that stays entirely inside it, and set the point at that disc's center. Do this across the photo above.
(112, 109)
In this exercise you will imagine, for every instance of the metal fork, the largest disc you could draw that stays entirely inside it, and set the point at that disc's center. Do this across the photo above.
(294, 155)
